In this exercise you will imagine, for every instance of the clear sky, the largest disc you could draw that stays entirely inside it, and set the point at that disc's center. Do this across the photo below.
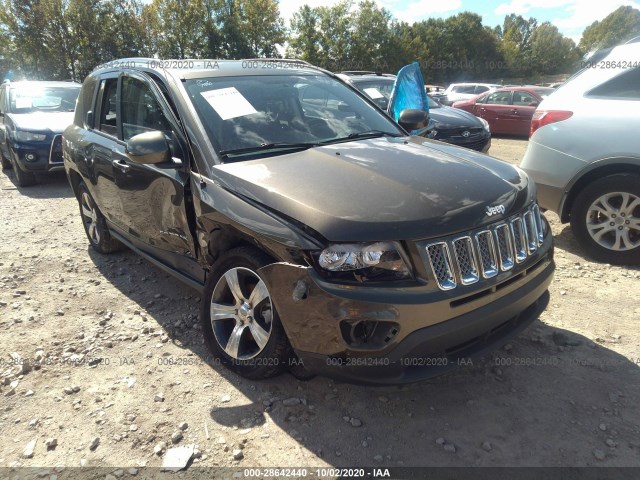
(570, 16)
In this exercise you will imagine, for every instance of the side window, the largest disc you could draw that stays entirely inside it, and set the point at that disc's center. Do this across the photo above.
(2, 98)
(108, 116)
(464, 89)
(499, 98)
(482, 99)
(626, 85)
(523, 99)
(481, 89)
(141, 111)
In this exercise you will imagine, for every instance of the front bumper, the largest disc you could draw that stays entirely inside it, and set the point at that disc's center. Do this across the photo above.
(48, 155)
(421, 332)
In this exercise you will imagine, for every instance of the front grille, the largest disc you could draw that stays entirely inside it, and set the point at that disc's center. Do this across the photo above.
(55, 154)
(484, 253)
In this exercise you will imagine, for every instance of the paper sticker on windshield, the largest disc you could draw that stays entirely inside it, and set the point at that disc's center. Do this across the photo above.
(373, 93)
(228, 103)
(23, 102)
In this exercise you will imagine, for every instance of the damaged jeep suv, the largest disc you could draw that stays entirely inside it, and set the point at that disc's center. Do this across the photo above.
(321, 235)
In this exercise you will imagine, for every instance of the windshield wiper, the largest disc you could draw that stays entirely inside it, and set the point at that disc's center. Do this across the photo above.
(367, 134)
(267, 146)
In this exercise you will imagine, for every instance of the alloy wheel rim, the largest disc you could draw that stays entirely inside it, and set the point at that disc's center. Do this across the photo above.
(613, 221)
(241, 313)
(90, 217)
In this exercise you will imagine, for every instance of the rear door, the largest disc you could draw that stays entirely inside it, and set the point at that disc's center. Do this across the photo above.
(153, 196)
(497, 111)
(522, 112)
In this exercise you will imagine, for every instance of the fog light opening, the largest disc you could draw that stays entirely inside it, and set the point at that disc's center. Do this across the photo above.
(362, 331)
(30, 157)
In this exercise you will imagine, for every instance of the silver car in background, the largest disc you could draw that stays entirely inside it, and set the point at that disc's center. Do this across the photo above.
(584, 154)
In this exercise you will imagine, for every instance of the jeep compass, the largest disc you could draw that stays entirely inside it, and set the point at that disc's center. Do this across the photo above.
(319, 232)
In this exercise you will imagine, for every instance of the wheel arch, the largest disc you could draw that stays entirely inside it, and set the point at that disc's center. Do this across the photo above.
(74, 179)
(595, 171)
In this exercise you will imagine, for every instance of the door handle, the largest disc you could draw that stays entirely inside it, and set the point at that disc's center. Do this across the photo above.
(120, 165)
(515, 110)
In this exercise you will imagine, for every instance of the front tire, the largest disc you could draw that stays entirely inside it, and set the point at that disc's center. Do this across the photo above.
(605, 219)
(6, 163)
(94, 223)
(23, 179)
(240, 323)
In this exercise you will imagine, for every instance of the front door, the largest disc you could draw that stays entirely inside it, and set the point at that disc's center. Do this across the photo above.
(154, 196)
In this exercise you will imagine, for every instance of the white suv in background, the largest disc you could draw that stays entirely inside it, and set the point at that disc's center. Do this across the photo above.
(464, 91)
(584, 154)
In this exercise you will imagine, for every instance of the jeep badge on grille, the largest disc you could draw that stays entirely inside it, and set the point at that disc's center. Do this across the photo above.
(495, 210)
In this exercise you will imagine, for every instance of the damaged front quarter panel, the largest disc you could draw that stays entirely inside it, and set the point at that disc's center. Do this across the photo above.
(225, 218)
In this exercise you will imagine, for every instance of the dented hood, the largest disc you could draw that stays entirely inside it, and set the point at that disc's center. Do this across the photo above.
(381, 189)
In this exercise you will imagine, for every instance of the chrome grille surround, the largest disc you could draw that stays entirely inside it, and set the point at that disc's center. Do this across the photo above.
(482, 254)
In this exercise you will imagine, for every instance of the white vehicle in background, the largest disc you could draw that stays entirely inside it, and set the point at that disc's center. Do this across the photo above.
(584, 154)
(464, 91)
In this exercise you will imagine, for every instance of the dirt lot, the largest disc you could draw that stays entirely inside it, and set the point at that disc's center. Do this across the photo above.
(565, 393)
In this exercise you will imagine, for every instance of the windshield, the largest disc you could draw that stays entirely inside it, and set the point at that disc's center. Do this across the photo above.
(35, 98)
(252, 112)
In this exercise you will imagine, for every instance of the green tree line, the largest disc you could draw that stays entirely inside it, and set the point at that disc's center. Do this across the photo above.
(66, 39)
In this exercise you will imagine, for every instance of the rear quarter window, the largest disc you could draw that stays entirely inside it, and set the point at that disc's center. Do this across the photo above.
(625, 86)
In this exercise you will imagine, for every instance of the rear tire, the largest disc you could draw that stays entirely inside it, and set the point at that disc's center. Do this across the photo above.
(94, 223)
(246, 334)
(605, 219)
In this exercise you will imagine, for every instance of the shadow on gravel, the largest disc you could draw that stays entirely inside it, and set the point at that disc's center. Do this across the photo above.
(53, 185)
(551, 398)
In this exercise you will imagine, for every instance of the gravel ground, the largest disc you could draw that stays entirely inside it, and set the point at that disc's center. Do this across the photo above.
(121, 376)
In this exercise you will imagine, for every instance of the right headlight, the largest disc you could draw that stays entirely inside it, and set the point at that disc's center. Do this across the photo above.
(375, 261)
(22, 136)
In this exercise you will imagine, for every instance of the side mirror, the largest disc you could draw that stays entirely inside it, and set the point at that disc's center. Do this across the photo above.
(533, 104)
(412, 119)
(89, 121)
(148, 147)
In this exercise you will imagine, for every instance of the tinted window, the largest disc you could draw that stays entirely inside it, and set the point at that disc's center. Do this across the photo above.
(108, 111)
(249, 111)
(28, 98)
(499, 98)
(523, 99)
(626, 85)
(481, 89)
(482, 99)
(141, 111)
(463, 89)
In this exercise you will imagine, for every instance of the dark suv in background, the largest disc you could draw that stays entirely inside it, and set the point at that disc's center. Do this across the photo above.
(316, 228)
(447, 124)
(32, 118)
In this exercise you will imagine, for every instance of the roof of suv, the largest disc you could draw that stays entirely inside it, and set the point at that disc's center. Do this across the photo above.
(48, 83)
(200, 68)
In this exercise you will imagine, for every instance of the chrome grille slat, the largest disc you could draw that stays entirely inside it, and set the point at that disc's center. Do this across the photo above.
(483, 253)
(537, 217)
(442, 266)
(505, 247)
(466, 261)
(530, 231)
(520, 242)
(487, 254)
